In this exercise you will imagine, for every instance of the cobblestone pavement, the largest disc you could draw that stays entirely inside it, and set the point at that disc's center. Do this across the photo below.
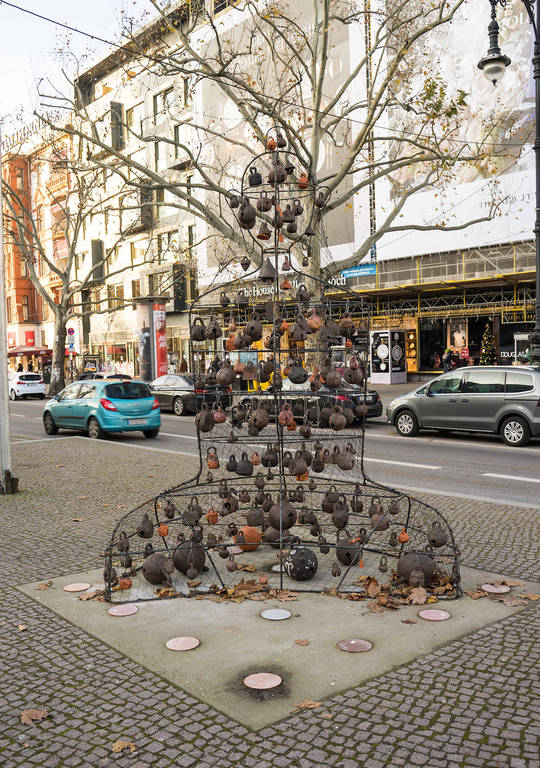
(472, 703)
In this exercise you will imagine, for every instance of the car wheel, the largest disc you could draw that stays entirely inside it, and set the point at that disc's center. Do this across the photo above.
(178, 406)
(406, 423)
(150, 433)
(13, 395)
(515, 431)
(94, 430)
(48, 425)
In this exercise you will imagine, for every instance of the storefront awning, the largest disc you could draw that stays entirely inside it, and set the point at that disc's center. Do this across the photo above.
(29, 351)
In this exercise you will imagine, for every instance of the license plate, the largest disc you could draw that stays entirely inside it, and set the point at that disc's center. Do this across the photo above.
(133, 422)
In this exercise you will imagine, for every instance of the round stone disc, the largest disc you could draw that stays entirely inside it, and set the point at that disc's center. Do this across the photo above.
(123, 610)
(80, 586)
(182, 643)
(276, 614)
(500, 590)
(262, 681)
(235, 550)
(355, 645)
(433, 614)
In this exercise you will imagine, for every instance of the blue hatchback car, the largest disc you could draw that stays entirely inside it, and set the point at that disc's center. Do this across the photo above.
(101, 406)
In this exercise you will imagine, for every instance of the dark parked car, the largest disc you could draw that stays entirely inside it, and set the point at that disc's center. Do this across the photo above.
(175, 392)
(350, 394)
(85, 375)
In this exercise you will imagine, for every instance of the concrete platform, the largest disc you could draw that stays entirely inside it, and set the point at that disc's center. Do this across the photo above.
(236, 641)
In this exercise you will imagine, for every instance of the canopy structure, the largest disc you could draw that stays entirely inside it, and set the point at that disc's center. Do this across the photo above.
(29, 351)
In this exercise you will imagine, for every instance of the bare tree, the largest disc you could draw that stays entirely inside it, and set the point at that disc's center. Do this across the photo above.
(75, 290)
(384, 116)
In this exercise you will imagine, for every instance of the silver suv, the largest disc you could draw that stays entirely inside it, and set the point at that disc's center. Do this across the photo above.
(505, 400)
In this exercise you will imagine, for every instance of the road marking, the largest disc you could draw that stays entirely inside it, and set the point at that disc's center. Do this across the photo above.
(458, 440)
(487, 499)
(512, 477)
(403, 463)
(182, 437)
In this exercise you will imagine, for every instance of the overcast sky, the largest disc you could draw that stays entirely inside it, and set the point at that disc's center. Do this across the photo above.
(27, 50)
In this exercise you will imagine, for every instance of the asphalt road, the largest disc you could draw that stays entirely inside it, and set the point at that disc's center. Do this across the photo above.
(473, 466)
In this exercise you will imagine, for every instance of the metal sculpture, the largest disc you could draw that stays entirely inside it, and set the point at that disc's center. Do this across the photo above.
(281, 490)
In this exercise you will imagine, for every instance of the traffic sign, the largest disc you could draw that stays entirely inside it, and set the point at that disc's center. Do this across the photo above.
(71, 331)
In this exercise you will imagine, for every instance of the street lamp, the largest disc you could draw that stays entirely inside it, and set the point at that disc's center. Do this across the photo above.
(493, 65)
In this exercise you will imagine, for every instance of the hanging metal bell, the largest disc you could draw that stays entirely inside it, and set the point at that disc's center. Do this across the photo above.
(281, 141)
(264, 203)
(278, 174)
(255, 178)
(320, 200)
(292, 227)
(286, 264)
(288, 214)
(234, 201)
(245, 263)
(264, 232)
(305, 261)
(246, 215)
(268, 273)
(297, 207)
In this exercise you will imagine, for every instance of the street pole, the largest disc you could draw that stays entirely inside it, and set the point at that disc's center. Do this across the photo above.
(493, 66)
(8, 484)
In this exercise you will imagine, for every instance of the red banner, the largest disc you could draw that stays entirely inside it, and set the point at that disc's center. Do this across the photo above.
(30, 338)
(160, 336)
(12, 339)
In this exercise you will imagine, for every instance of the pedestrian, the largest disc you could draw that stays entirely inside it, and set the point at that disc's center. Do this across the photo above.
(20, 368)
(30, 368)
(183, 365)
(447, 359)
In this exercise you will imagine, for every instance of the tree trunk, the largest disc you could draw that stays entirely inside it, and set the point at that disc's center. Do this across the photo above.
(314, 356)
(59, 355)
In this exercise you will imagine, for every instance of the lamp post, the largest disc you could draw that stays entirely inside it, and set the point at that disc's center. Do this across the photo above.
(493, 65)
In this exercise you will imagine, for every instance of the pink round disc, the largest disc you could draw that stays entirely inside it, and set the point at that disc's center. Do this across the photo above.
(355, 645)
(499, 590)
(235, 550)
(182, 643)
(123, 610)
(262, 681)
(433, 614)
(77, 587)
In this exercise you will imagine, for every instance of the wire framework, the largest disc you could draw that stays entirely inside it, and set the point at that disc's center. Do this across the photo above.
(281, 494)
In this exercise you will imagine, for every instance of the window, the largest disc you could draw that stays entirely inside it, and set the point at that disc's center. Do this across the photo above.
(186, 96)
(9, 310)
(156, 155)
(519, 382)
(177, 141)
(162, 104)
(160, 200)
(70, 393)
(117, 125)
(106, 213)
(19, 179)
(39, 219)
(222, 5)
(134, 120)
(484, 382)
(112, 261)
(188, 190)
(87, 391)
(79, 261)
(115, 296)
(127, 390)
(25, 308)
(446, 385)
(135, 289)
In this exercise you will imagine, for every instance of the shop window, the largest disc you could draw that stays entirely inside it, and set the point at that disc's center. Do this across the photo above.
(519, 382)
(432, 343)
(25, 308)
(484, 382)
(135, 289)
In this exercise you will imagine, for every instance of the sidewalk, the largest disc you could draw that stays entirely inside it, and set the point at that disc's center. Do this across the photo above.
(469, 703)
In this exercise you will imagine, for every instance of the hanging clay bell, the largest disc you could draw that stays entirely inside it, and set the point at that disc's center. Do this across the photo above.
(337, 420)
(245, 263)
(123, 543)
(393, 540)
(212, 458)
(244, 467)
(403, 537)
(437, 537)
(157, 569)
(347, 552)
(264, 204)
(383, 564)
(303, 182)
(336, 570)
(204, 420)
(255, 178)
(340, 515)
(231, 564)
(145, 528)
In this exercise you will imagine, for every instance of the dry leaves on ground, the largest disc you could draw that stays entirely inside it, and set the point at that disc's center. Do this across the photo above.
(44, 585)
(509, 583)
(373, 587)
(417, 596)
(120, 745)
(194, 583)
(306, 705)
(302, 641)
(409, 621)
(327, 715)
(476, 593)
(77, 519)
(97, 594)
(32, 716)
(530, 596)
(509, 600)
(246, 567)
(22, 627)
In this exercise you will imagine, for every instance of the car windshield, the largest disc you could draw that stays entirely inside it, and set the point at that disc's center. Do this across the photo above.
(127, 390)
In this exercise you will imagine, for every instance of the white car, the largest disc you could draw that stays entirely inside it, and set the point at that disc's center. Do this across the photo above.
(25, 385)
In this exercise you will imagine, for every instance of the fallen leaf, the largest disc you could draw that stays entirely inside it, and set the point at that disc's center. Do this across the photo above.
(408, 621)
(246, 567)
(307, 705)
(31, 716)
(327, 715)
(120, 745)
(418, 596)
(510, 583)
(284, 595)
(22, 627)
(44, 585)
(77, 519)
(59, 466)
(373, 588)
(97, 594)
(431, 599)
(530, 597)
(509, 600)
(302, 641)
(440, 590)
(374, 607)
(194, 583)
(259, 597)
(476, 593)
(82, 497)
